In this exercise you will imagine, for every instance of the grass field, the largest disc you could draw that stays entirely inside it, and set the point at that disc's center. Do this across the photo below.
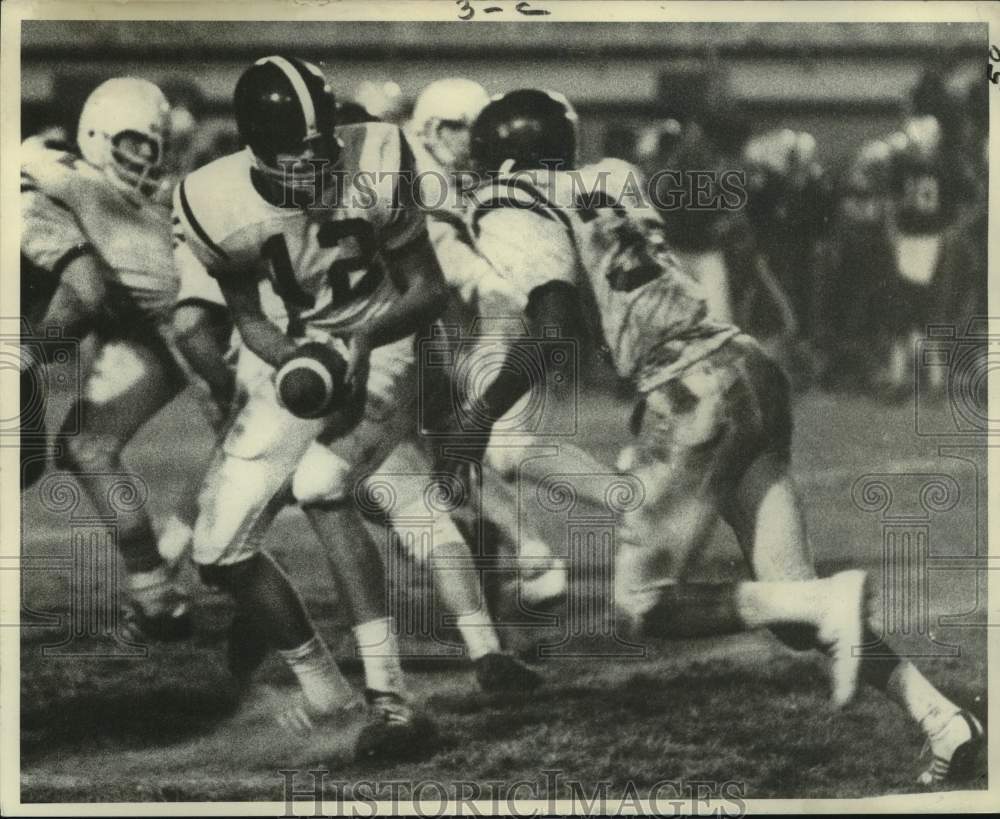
(739, 709)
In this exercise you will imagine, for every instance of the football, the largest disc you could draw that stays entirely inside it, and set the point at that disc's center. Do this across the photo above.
(310, 380)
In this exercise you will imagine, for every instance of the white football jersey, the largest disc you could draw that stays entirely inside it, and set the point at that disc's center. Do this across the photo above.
(325, 264)
(652, 313)
(132, 237)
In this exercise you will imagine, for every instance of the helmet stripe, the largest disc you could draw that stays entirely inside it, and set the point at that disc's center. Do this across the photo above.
(301, 91)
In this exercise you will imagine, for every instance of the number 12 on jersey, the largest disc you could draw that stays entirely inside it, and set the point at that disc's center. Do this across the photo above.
(329, 235)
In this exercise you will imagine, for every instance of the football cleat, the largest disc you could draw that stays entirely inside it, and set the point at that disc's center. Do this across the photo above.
(310, 380)
(841, 628)
(498, 672)
(300, 718)
(394, 731)
(953, 751)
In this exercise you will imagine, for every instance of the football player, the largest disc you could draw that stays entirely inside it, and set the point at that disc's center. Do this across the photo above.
(712, 421)
(89, 222)
(320, 216)
(201, 320)
(923, 205)
(440, 129)
(857, 262)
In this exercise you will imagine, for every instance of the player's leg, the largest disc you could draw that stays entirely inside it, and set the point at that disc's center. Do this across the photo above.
(765, 511)
(131, 380)
(324, 486)
(769, 530)
(690, 436)
(200, 335)
(454, 571)
(240, 496)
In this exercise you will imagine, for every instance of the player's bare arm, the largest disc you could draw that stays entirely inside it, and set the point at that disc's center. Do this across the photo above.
(200, 332)
(416, 272)
(79, 296)
(259, 333)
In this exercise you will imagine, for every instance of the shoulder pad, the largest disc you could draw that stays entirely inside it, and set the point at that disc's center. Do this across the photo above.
(207, 201)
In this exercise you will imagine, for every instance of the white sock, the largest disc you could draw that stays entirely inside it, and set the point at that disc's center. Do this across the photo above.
(149, 589)
(174, 539)
(765, 603)
(479, 634)
(380, 655)
(931, 709)
(323, 686)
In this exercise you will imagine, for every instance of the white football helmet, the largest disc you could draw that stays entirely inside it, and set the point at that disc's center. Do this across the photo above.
(123, 131)
(451, 104)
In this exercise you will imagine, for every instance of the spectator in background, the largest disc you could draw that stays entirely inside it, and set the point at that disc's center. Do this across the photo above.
(961, 276)
(711, 141)
(620, 142)
(856, 265)
(789, 206)
(904, 248)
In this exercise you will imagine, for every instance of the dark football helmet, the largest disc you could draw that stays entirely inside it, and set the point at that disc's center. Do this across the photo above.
(286, 114)
(524, 130)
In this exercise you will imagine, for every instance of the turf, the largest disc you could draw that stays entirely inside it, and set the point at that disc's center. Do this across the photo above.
(745, 710)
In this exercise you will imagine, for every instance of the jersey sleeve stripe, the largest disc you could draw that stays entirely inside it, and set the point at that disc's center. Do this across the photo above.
(540, 198)
(29, 188)
(70, 256)
(536, 202)
(198, 229)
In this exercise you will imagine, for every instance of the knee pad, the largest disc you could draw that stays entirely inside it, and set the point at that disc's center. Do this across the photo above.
(85, 451)
(320, 476)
